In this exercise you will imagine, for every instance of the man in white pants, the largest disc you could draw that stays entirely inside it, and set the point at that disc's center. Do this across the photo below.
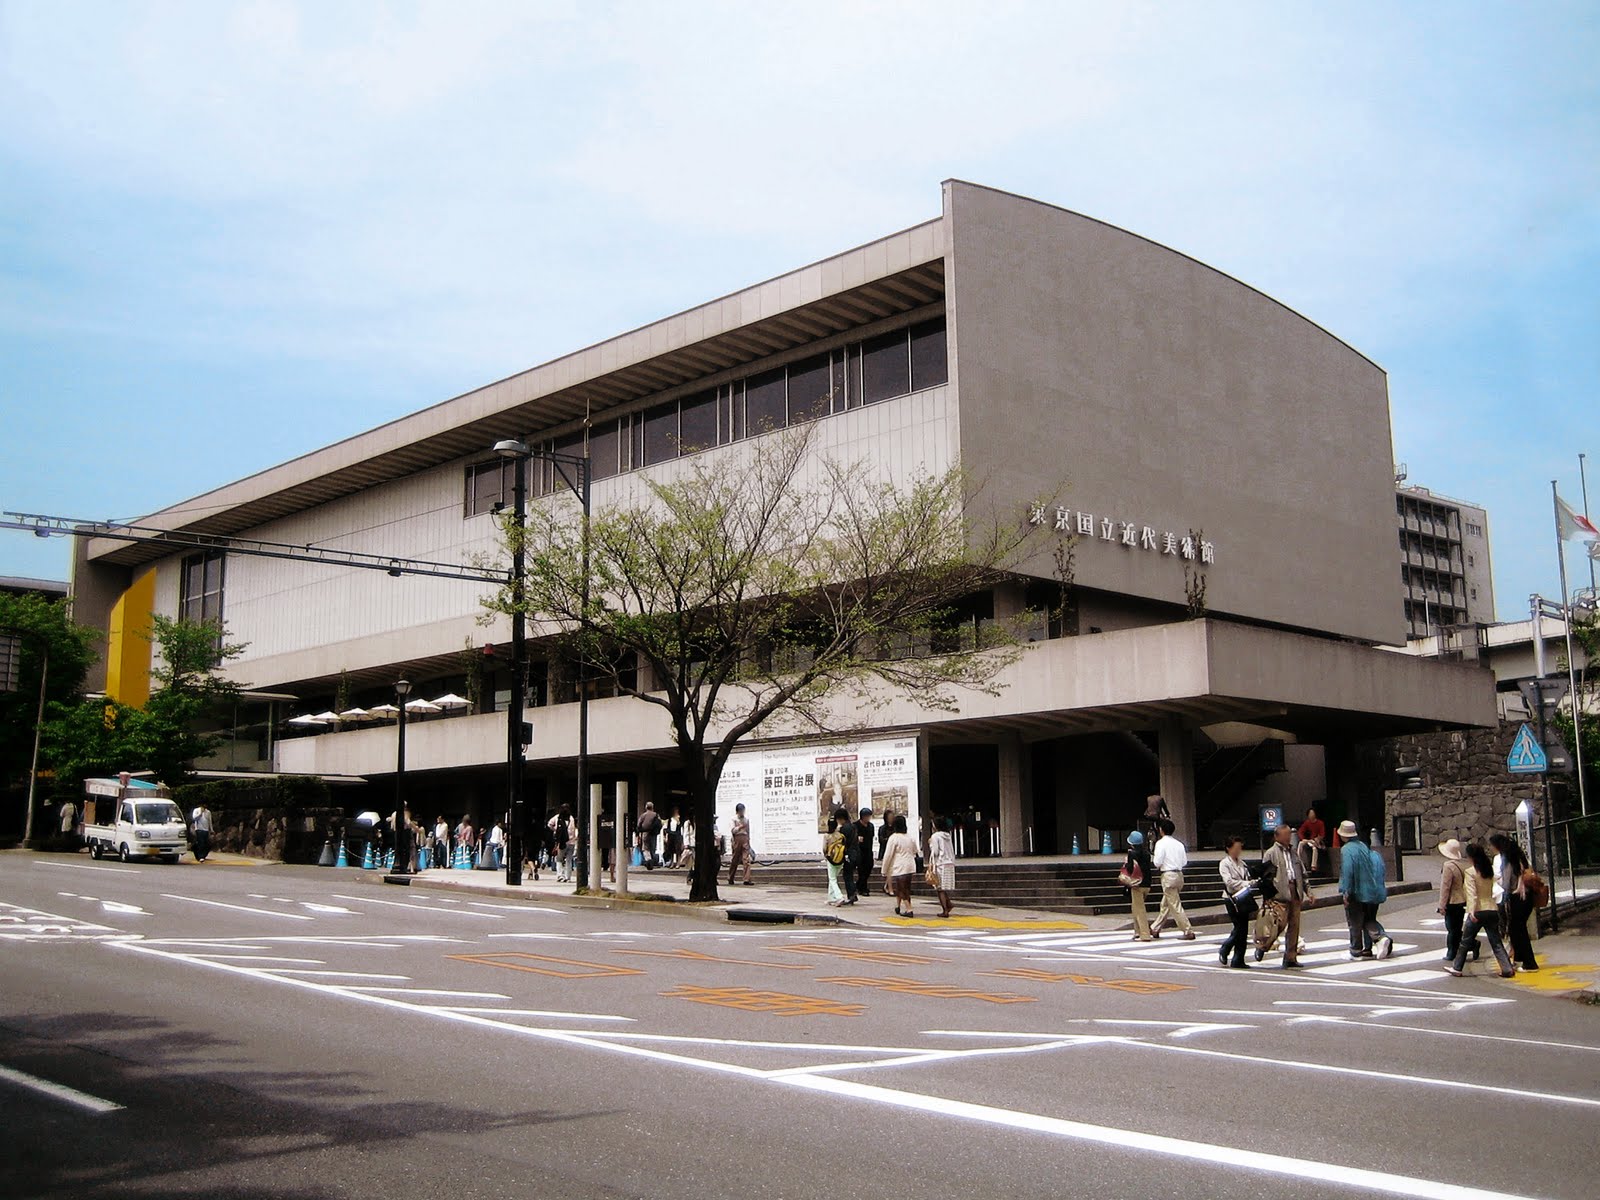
(1169, 859)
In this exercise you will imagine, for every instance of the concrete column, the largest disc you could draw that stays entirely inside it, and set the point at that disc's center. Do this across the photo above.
(1176, 757)
(624, 837)
(1013, 788)
(1339, 759)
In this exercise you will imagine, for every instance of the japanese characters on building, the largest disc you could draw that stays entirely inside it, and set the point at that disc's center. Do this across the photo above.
(1132, 535)
(789, 791)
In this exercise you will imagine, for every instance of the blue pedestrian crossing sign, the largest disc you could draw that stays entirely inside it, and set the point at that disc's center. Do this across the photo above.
(1527, 756)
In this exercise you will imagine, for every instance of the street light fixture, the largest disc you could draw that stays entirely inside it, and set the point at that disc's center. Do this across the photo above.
(574, 472)
(402, 851)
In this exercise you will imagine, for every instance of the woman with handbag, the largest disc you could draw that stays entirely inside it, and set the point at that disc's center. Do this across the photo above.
(1135, 876)
(899, 865)
(1509, 864)
(1238, 893)
(1482, 913)
(942, 864)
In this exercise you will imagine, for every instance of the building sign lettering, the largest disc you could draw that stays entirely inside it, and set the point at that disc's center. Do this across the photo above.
(1134, 535)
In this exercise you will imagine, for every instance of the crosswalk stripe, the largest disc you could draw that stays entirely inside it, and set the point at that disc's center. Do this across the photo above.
(1427, 973)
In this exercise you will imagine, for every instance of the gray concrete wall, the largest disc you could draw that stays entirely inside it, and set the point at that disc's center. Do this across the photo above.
(1125, 379)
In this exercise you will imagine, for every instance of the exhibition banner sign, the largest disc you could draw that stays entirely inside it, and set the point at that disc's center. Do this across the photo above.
(789, 791)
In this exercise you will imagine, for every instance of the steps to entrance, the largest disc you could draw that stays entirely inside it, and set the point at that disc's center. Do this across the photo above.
(1089, 888)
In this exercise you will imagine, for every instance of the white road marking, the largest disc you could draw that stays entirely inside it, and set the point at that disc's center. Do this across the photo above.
(59, 1091)
(116, 906)
(1227, 1157)
(87, 867)
(525, 1012)
(418, 907)
(1429, 974)
(263, 912)
(1365, 1073)
(260, 958)
(427, 992)
(555, 912)
(339, 974)
(1134, 1140)
(1338, 1019)
(328, 908)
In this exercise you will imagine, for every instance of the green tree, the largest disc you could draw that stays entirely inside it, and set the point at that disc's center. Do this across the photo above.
(45, 629)
(775, 591)
(88, 738)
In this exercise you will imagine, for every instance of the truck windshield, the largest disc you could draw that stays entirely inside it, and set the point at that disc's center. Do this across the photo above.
(156, 812)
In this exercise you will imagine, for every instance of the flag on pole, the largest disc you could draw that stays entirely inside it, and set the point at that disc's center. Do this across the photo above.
(1573, 526)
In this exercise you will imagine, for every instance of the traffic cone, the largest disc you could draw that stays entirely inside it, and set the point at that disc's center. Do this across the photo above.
(1076, 849)
(343, 860)
(366, 862)
(1105, 842)
(326, 860)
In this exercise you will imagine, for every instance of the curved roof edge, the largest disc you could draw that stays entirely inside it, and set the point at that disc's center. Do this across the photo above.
(1323, 329)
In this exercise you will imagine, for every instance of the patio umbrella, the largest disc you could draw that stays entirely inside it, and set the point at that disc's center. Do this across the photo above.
(451, 700)
(327, 717)
(355, 714)
(306, 720)
(421, 706)
(383, 710)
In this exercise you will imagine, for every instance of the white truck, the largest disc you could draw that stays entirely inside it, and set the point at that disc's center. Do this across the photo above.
(130, 819)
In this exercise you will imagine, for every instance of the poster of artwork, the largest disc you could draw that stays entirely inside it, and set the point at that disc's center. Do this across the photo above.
(789, 792)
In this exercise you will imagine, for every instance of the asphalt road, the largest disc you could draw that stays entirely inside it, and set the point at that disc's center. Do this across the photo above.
(233, 1031)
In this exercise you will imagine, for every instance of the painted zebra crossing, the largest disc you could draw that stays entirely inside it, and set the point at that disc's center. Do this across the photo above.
(1410, 962)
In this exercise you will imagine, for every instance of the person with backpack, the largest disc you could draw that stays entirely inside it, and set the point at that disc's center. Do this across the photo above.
(1511, 872)
(833, 858)
(1135, 876)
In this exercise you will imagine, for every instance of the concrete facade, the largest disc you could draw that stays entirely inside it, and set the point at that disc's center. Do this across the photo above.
(1194, 429)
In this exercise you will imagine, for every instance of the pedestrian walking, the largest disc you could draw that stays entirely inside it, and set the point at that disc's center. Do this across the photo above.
(200, 823)
(1238, 894)
(741, 845)
(1169, 860)
(69, 818)
(942, 864)
(466, 837)
(852, 850)
(562, 838)
(865, 834)
(1511, 892)
(686, 855)
(1135, 875)
(1482, 913)
(674, 845)
(648, 829)
(833, 859)
(495, 846)
(899, 865)
(1292, 891)
(441, 843)
(1453, 897)
(1362, 888)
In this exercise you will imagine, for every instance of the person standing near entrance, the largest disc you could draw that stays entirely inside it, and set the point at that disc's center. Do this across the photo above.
(200, 822)
(852, 851)
(942, 864)
(864, 836)
(1293, 890)
(1362, 887)
(648, 827)
(833, 859)
(741, 845)
(1135, 876)
(1169, 860)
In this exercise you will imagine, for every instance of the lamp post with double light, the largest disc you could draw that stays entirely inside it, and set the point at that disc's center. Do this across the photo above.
(574, 472)
(402, 848)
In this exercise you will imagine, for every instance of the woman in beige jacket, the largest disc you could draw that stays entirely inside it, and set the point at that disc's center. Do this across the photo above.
(899, 865)
(1482, 913)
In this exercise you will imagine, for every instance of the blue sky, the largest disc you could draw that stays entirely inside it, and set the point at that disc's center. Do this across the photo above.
(232, 233)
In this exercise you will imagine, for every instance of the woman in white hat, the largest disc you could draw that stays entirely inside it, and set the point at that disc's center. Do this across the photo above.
(1453, 897)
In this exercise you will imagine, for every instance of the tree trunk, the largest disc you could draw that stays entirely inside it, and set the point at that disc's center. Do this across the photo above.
(703, 801)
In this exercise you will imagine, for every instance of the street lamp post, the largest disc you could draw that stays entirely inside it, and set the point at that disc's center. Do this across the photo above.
(402, 851)
(574, 472)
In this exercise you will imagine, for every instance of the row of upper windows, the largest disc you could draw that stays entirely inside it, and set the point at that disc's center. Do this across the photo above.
(866, 372)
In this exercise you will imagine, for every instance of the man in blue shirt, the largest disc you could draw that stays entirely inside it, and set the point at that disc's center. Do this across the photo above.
(1362, 889)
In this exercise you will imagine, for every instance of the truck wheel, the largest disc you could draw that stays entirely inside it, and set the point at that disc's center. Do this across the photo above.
(123, 853)
(94, 850)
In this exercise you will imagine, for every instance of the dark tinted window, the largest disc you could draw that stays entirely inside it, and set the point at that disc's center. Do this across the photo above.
(603, 445)
(885, 367)
(809, 381)
(660, 433)
(928, 364)
(765, 408)
(697, 423)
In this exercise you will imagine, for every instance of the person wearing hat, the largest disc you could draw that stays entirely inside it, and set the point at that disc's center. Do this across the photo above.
(1362, 888)
(1135, 876)
(1453, 897)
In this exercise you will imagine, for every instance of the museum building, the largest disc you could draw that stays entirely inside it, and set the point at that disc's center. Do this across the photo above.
(1220, 467)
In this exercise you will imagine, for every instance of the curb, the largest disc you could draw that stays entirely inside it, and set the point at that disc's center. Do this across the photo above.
(718, 914)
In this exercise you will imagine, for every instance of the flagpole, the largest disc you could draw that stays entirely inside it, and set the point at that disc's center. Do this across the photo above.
(1572, 669)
